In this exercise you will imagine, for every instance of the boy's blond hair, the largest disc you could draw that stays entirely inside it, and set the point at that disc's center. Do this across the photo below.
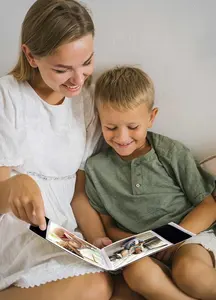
(124, 88)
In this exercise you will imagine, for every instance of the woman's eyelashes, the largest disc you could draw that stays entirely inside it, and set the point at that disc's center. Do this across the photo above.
(87, 63)
(64, 71)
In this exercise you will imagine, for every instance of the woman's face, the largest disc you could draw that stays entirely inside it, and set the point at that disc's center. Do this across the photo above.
(66, 70)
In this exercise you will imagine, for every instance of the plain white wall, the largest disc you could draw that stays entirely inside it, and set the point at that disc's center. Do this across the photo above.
(174, 41)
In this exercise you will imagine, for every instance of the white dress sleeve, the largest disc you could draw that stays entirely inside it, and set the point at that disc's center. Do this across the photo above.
(9, 141)
(93, 129)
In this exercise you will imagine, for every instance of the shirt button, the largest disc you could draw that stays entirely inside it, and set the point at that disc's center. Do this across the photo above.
(137, 185)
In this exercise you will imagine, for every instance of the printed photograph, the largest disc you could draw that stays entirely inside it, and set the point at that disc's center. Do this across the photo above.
(71, 243)
(123, 252)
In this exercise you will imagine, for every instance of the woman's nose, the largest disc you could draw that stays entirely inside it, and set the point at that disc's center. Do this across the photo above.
(77, 78)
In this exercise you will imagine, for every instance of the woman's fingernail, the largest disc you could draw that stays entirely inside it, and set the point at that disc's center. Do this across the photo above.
(43, 227)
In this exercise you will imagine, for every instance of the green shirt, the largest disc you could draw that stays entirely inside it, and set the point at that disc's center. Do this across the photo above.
(161, 186)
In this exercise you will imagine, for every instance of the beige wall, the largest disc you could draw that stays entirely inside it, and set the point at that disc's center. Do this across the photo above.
(173, 40)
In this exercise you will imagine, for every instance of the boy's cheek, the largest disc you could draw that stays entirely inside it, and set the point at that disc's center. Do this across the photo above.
(107, 136)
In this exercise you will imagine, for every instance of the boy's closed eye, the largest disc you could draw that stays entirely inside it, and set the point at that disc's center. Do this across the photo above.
(110, 128)
(133, 127)
(129, 127)
(60, 71)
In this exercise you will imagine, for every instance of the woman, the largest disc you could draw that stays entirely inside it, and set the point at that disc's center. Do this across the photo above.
(43, 144)
(47, 130)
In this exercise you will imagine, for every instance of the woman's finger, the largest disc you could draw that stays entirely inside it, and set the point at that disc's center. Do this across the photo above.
(20, 206)
(14, 210)
(39, 212)
(29, 212)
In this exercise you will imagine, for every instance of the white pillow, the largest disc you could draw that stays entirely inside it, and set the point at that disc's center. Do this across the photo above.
(209, 164)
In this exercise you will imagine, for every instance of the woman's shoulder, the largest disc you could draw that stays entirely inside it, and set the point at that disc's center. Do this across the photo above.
(11, 94)
(8, 81)
(9, 87)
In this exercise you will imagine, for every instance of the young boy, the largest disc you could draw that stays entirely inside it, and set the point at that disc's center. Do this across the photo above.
(145, 180)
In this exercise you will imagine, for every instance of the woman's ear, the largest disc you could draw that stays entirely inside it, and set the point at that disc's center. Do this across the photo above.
(29, 56)
(152, 116)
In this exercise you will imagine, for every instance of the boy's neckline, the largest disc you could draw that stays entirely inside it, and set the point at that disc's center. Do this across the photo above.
(145, 155)
(139, 152)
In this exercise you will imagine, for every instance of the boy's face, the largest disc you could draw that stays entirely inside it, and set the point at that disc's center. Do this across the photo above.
(125, 131)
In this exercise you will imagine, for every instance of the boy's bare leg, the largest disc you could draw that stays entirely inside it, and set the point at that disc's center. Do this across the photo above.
(86, 287)
(193, 272)
(122, 291)
(150, 279)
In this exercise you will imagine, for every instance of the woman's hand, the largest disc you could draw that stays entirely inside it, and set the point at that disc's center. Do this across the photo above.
(25, 200)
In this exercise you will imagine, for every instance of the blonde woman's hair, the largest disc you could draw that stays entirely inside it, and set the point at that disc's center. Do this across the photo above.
(124, 88)
(47, 25)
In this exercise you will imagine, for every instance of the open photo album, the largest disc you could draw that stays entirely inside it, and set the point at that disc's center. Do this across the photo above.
(118, 254)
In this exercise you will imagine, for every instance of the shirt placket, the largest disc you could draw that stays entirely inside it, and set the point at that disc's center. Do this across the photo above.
(136, 178)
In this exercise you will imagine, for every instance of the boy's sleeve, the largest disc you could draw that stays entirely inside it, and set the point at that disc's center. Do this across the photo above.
(196, 183)
(92, 193)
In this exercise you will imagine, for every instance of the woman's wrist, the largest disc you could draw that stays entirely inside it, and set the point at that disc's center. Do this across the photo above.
(4, 198)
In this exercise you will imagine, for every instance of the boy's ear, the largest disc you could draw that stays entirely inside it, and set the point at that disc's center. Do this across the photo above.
(152, 116)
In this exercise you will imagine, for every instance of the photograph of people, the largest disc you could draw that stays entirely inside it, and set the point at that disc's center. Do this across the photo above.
(129, 250)
(65, 239)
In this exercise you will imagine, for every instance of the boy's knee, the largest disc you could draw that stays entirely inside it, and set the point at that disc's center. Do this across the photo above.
(142, 276)
(180, 267)
(100, 288)
(184, 273)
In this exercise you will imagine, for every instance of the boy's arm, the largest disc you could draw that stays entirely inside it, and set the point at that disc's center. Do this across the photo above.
(113, 232)
(201, 217)
(197, 185)
(87, 218)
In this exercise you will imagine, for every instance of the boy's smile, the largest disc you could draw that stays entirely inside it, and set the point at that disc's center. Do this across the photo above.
(125, 131)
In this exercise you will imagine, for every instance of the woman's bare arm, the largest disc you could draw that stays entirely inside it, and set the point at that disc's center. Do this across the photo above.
(4, 175)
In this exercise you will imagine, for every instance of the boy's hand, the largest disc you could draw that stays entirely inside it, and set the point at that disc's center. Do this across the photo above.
(25, 200)
(102, 242)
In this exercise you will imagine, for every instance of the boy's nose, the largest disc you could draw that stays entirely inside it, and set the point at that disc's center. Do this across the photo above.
(122, 136)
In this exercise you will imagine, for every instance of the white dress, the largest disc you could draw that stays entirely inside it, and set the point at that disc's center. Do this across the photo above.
(49, 143)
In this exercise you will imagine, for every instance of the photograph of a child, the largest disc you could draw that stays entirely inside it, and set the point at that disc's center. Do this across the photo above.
(70, 242)
(124, 252)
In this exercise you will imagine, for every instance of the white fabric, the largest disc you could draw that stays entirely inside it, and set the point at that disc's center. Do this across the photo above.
(50, 143)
